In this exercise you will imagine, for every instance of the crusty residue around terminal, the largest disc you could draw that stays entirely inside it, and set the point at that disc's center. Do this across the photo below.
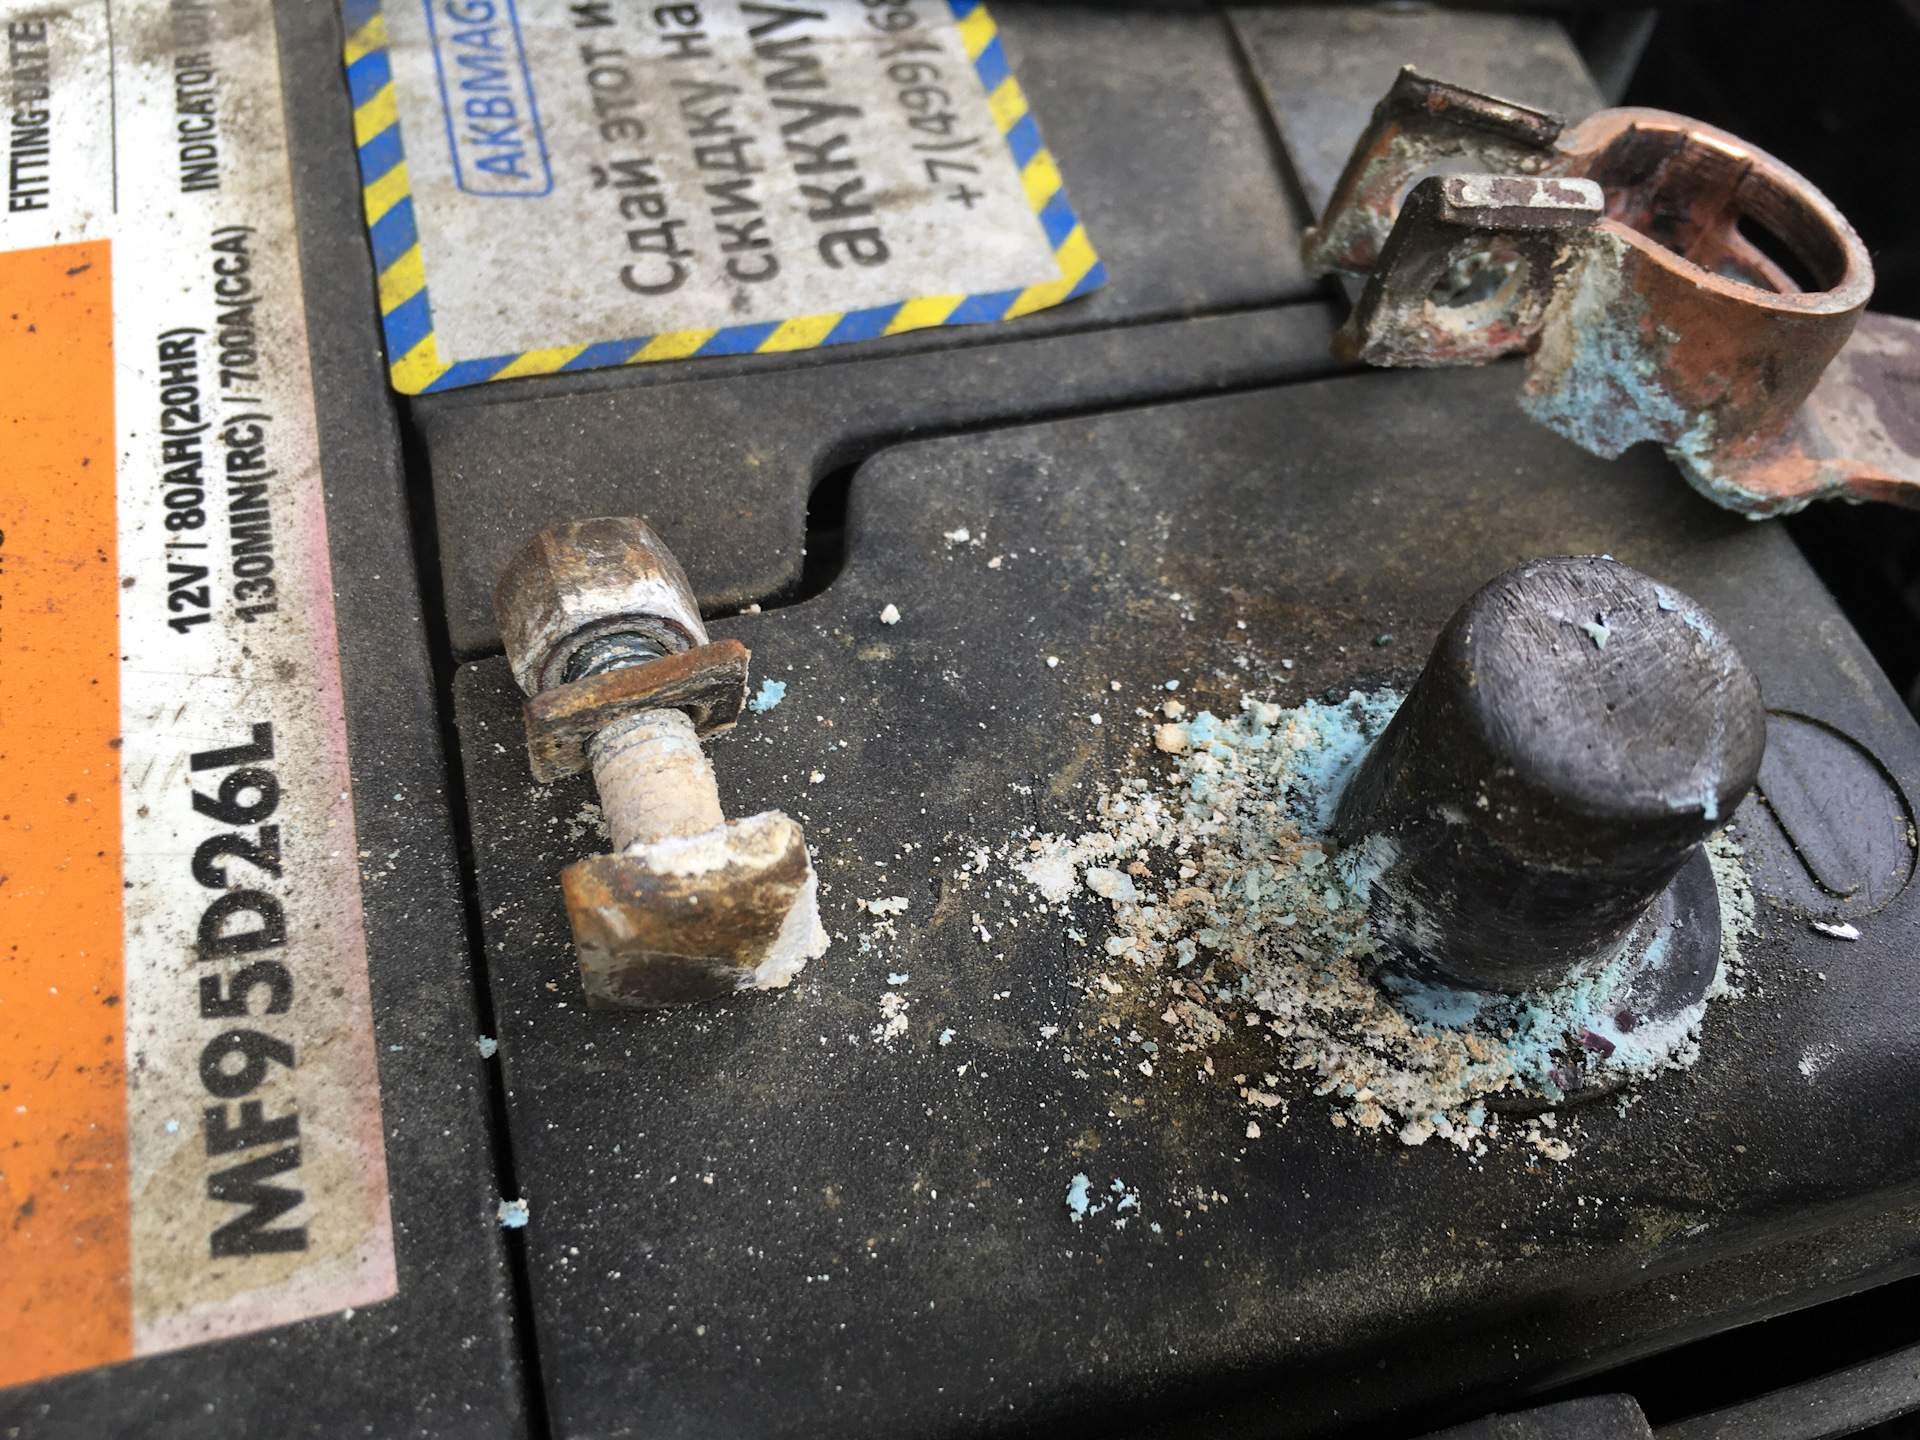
(1235, 916)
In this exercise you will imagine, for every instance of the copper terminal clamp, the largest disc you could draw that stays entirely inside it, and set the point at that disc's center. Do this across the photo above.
(1620, 257)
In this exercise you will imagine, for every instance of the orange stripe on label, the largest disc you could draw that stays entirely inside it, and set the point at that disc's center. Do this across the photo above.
(64, 1209)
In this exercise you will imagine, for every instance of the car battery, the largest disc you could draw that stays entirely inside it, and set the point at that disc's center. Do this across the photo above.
(918, 1139)
(1073, 464)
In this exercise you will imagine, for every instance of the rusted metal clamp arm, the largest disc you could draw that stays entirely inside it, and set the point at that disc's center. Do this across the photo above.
(1419, 125)
(1858, 435)
(1468, 271)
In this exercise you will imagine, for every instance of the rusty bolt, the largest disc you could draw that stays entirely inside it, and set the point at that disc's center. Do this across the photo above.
(603, 635)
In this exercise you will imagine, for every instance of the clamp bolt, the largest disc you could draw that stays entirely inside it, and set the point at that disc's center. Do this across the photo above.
(603, 635)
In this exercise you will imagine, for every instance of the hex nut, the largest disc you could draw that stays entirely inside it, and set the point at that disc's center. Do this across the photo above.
(574, 583)
(698, 918)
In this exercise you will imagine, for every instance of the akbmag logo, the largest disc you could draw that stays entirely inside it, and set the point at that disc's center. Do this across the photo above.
(486, 96)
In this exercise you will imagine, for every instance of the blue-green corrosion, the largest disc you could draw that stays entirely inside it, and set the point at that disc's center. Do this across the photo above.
(1325, 744)
(1595, 380)
(1535, 1026)
(1077, 1199)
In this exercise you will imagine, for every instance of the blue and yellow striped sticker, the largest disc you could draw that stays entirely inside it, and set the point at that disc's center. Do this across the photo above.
(414, 357)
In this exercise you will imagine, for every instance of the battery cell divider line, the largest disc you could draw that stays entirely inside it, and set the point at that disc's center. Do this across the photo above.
(363, 28)
(66, 1299)
(1268, 117)
(425, 548)
(364, 35)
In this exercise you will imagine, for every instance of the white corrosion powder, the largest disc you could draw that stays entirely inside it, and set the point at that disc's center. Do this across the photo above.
(1233, 915)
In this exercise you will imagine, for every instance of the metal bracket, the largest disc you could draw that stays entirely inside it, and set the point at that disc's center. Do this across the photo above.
(1621, 257)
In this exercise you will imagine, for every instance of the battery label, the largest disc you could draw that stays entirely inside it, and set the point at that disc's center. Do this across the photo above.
(568, 184)
(190, 1136)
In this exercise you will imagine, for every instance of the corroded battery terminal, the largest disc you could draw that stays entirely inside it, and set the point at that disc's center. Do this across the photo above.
(1668, 281)
(1534, 812)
